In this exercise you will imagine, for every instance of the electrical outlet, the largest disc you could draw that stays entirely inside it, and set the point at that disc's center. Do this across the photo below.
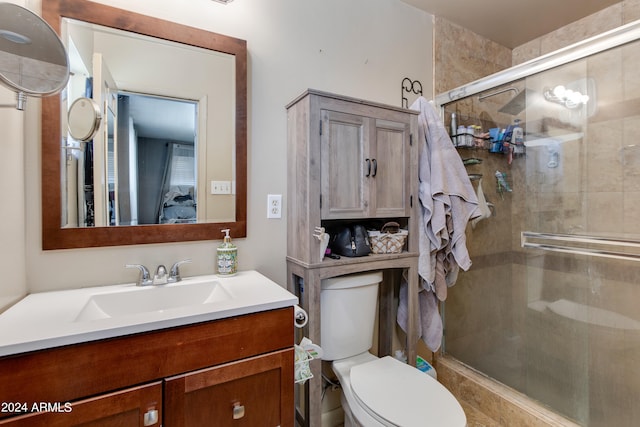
(274, 206)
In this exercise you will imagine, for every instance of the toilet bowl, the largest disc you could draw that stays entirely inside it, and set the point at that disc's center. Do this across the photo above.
(386, 392)
(376, 391)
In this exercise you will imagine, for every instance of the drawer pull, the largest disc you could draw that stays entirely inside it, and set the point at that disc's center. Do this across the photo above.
(238, 411)
(151, 417)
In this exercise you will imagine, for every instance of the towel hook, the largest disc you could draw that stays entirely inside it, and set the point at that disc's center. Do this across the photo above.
(409, 86)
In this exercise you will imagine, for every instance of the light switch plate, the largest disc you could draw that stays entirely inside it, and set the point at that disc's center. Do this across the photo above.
(220, 187)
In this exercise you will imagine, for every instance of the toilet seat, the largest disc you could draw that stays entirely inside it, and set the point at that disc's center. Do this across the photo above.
(396, 394)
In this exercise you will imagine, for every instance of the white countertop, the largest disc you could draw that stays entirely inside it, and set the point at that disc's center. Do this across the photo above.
(50, 319)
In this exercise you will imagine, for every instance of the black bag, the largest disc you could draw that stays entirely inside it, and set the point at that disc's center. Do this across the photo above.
(350, 241)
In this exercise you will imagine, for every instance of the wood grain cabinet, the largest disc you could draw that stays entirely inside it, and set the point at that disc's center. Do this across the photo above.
(364, 166)
(136, 406)
(350, 160)
(231, 372)
(239, 394)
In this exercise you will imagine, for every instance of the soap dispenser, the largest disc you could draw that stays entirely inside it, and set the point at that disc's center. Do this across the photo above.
(227, 256)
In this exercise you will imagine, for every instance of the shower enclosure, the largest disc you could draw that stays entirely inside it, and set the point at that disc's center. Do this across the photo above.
(551, 304)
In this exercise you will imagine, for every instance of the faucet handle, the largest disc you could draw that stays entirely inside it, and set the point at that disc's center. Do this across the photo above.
(174, 273)
(145, 277)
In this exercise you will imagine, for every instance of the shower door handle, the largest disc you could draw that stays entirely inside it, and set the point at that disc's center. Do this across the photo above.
(597, 246)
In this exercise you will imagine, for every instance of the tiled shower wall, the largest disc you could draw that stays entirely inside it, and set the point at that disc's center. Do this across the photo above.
(462, 56)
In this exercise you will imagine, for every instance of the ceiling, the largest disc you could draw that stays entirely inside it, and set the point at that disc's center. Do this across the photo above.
(511, 23)
(163, 118)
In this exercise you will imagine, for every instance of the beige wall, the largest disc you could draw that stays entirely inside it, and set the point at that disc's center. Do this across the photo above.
(12, 188)
(461, 56)
(366, 51)
(607, 19)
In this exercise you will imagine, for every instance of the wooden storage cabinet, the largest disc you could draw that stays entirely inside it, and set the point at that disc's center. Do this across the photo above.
(364, 171)
(348, 160)
(187, 374)
(354, 161)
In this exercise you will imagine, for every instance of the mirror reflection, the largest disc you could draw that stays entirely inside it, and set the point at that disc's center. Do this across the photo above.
(142, 166)
(139, 179)
(84, 119)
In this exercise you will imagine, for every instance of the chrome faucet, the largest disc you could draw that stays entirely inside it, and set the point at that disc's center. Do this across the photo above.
(160, 278)
(174, 273)
(144, 279)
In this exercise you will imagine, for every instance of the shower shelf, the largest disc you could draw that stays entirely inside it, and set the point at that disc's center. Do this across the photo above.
(470, 161)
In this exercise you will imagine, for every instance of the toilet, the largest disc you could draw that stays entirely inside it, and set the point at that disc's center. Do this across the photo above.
(376, 391)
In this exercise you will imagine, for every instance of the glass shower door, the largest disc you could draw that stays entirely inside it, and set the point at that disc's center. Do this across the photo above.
(549, 306)
(581, 242)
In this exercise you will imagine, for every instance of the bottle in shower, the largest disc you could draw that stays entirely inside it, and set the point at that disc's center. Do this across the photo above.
(517, 138)
(454, 129)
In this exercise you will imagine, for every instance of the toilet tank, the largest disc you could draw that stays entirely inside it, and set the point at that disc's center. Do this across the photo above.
(347, 314)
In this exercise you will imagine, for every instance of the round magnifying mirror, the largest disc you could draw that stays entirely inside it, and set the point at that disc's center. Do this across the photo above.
(84, 119)
(34, 60)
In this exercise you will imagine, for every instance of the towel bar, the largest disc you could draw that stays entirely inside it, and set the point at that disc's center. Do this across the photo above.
(582, 245)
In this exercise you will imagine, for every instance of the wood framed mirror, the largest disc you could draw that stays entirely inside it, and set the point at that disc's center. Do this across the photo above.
(57, 233)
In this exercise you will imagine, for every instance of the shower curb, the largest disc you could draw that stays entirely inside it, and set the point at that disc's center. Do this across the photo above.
(502, 404)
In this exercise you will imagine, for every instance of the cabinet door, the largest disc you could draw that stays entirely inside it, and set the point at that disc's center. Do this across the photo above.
(252, 392)
(138, 406)
(390, 163)
(345, 165)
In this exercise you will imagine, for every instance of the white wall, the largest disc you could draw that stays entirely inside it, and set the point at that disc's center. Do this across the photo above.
(360, 48)
(13, 284)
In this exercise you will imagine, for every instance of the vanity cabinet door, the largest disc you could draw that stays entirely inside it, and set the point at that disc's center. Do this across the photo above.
(252, 392)
(137, 406)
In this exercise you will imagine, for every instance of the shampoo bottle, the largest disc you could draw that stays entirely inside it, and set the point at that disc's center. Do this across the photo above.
(517, 138)
(454, 129)
(227, 256)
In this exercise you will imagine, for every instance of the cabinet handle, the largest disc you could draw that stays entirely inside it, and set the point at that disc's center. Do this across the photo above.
(375, 167)
(238, 411)
(368, 167)
(151, 417)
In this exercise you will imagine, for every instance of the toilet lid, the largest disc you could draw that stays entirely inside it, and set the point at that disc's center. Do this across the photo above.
(398, 394)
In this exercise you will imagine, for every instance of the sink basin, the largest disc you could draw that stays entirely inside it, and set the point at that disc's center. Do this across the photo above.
(151, 299)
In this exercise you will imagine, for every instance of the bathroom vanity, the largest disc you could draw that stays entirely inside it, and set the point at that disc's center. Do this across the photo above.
(230, 370)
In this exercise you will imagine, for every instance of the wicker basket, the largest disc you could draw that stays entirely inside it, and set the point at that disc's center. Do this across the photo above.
(389, 240)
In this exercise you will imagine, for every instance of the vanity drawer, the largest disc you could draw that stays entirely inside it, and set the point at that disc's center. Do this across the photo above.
(130, 407)
(252, 392)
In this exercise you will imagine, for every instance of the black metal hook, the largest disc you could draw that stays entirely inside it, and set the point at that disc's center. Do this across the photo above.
(409, 86)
